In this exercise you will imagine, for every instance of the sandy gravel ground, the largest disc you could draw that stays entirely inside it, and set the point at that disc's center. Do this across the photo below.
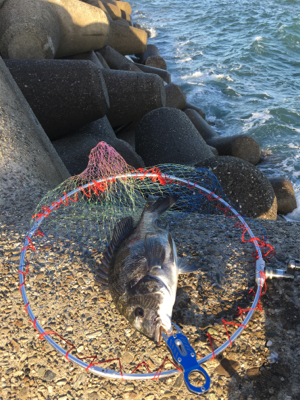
(263, 363)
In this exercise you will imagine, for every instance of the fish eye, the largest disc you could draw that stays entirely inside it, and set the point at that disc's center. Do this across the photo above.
(139, 312)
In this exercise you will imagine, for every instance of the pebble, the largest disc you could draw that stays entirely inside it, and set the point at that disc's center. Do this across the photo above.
(127, 357)
(269, 343)
(227, 367)
(23, 393)
(49, 375)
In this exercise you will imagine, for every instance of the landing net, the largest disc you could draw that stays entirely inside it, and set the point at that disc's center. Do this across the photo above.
(71, 228)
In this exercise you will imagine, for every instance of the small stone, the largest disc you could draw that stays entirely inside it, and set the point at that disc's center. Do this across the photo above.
(252, 372)
(49, 375)
(227, 367)
(23, 393)
(61, 382)
(41, 372)
(93, 396)
(179, 381)
(130, 395)
(80, 380)
(269, 343)
(63, 397)
(150, 397)
(212, 331)
(127, 357)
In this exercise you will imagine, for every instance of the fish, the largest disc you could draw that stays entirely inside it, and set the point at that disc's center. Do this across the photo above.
(140, 268)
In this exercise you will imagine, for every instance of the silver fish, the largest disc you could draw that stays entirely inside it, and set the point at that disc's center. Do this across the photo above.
(141, 268)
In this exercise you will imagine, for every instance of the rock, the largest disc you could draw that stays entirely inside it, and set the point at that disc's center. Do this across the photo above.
(252, 373)
(76, 92)
(128, 134)
(74, 149)
(93, 396)
(132, 95)
(240, 146)
(44, 29)
(227, 367)
(127, 357)
(167, 136)
(23, 393)
(198, 109)
(115, 60)
(165, 75)
(113, 10)
(126, 39)
(49, 375)
(214, 151)
(175, 97)
(41, 372)
(244, 185)
(285, 194)
(26, 153)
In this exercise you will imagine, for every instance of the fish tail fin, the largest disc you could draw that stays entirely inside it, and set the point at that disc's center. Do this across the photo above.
(161, 204)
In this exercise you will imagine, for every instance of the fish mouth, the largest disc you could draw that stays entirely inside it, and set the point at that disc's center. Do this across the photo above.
(159, 328)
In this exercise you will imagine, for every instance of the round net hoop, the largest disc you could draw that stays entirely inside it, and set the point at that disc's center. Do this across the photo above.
(138, 376)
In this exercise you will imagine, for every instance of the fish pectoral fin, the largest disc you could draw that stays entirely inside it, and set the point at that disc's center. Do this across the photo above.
(173, 252)
(185, 268)
(154, 252)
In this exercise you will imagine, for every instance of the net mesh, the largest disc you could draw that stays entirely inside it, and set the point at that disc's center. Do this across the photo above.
(79, 218)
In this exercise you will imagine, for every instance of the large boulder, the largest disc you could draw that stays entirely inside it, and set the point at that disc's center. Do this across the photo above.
(248, 189)
(285, 194)
(29, 164)
(115, 60)
(74, 150)
(166, 135)
(175, 97)
(63, 94)
(126, 39)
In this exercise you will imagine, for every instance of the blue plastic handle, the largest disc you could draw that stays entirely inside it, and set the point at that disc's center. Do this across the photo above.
(185, 356)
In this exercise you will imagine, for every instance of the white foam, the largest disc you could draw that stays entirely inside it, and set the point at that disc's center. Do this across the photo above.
(193, 75)
(184, 60)
(258, 38)
(295, 215)
(256, 118)
(153, 32)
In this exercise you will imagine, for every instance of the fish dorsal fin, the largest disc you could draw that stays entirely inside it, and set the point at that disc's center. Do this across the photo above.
(173, 250)
(154, 251)
(160, 205)
(121, 230)
(185, 268)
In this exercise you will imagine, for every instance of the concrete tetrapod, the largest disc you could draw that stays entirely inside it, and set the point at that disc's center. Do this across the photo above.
(132, 95)
(115, 60)
(248, 189)
(175, 97)
(63, 94)
(29, 164)
(126, 39)
(52, 28)
(165, 75)
(285, 194)
(166, 135)
(29, 29)
(240, 146)
(74, 150)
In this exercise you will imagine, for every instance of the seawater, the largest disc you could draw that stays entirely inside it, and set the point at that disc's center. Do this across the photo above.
(240, 62)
